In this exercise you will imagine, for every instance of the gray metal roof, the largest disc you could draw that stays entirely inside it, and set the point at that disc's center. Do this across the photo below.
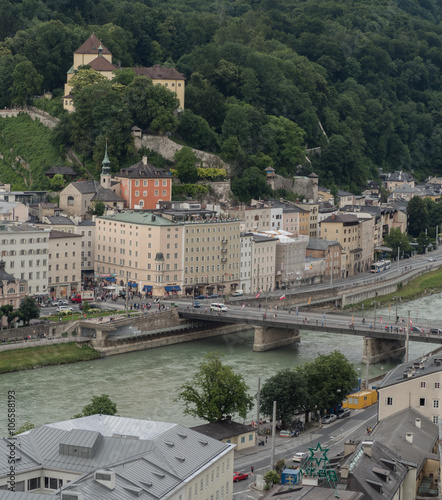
(391, 432)
(150, 458)
(59, 220)
(314, 244)
(414, 369)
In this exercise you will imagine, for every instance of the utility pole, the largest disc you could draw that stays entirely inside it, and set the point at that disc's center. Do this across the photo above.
(258, 402)
(331, 272)
(368, 362)
(408, 338)
(272, 463)
(375, 304)
(437, 230)
(398, 256)
(127, 293)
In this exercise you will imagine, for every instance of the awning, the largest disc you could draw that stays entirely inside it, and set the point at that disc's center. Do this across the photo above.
(109, 278)
(173, 288)
(147, 288)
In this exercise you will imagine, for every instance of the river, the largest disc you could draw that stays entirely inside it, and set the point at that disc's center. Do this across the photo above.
(145, 384)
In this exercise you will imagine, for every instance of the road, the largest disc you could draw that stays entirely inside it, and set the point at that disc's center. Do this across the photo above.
(331, 436)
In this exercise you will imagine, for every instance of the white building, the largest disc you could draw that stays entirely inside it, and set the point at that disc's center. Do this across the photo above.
(104, 457)
(25, 250)
(245, 263)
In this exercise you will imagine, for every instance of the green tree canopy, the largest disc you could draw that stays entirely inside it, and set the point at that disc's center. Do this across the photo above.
(397, 239)
(102, 405)
(215, 391)
(417, 213)
(289, 389)
(85, 76)
(98, 208)
(26, 82)
(186, 168)
(29, 309)
(57, 182)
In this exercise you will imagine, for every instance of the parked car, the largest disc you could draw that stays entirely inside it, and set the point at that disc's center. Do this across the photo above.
(328, 419)
(300, 456)
(431, 259)
(201, 297)
(416, 329)
(437, 331)
(64, 309)
(238, 293)
(286, 434)
(343, 412)
(239, 476)
(215, 306)
(213, 296)
(59, 302)
(196, 304)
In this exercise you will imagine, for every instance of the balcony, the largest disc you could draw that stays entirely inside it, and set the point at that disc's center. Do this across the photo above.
(224, 241)
(224, 259)
(223, 250)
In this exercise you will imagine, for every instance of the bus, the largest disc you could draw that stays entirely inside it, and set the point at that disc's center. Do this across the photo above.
(382, 265)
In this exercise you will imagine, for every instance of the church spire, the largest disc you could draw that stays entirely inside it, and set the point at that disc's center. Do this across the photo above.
(106, 163)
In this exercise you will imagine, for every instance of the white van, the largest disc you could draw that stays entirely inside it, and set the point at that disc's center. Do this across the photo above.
(216, 306)
(238, 293)
(64, 309)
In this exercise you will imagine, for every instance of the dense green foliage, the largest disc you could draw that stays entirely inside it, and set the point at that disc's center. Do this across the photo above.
(320, 384)
(362, 79)
(102, 405)
(29, 310)
(215, 391)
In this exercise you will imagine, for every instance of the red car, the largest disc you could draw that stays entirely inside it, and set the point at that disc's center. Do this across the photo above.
(239, 476)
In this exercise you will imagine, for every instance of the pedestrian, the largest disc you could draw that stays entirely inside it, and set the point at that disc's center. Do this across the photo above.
(252, 469)
(266, 439)
(368, 431)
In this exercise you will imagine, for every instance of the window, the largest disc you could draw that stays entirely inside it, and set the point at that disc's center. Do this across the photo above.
(437, 385)
(212, 476)
(156, 192)
(435, 419)
(435, 403)
(34, 483)
(423, 385)
(243, 439)
(389, 401)
(421, 401)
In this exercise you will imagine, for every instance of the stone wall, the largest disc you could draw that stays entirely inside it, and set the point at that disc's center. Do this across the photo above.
(50, 329)
(300, 185)
(36, 114)
(167, 148)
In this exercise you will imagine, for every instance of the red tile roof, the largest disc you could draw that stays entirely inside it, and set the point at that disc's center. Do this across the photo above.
(90, 46)
(102, 64)
(157, 72)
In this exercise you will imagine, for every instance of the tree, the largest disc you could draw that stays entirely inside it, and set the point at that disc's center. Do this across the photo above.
(102, 405)
(57, 182)
(98, 208)
(27, 426)
(187, 171)
(84, 77)
(215, 391)
(29, 309)
(272, 477)
(397, 239)
(252, 184)
(8, 311)
(330, 377)
(417, 212)
(26, 82)
(289, 389)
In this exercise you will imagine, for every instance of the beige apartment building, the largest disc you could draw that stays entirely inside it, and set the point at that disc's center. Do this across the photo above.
(416, 384)
(211, 256)
(313, 210)
(64, 268)
(256, 218)
(143, 247)
(344, 229)
(263, 249)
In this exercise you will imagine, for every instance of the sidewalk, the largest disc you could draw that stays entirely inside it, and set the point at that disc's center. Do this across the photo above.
(304, 437)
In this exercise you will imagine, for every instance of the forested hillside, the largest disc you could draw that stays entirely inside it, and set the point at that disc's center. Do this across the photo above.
(265, 79)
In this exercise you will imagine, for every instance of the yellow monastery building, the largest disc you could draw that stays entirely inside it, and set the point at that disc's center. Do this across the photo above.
(94, 54)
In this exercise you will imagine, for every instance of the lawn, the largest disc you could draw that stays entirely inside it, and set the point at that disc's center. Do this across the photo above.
(34, 357)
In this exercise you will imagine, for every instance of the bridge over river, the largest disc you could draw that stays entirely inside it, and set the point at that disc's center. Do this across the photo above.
(382, 340)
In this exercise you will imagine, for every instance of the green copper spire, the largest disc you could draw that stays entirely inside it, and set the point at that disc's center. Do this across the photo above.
(106, 163)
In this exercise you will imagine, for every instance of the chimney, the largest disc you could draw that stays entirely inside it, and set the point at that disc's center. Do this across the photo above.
(409, 437)
(144, 160)
(345, 469)
(418, 423)
(333, 216)
(349, 448)
(367, 447)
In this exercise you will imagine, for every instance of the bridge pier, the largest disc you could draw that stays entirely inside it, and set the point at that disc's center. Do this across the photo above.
(269, 337)
(376, 350)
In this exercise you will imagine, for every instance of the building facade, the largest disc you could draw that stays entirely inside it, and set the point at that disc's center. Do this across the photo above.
(142, 247)
(25, 251)
(64, 269)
